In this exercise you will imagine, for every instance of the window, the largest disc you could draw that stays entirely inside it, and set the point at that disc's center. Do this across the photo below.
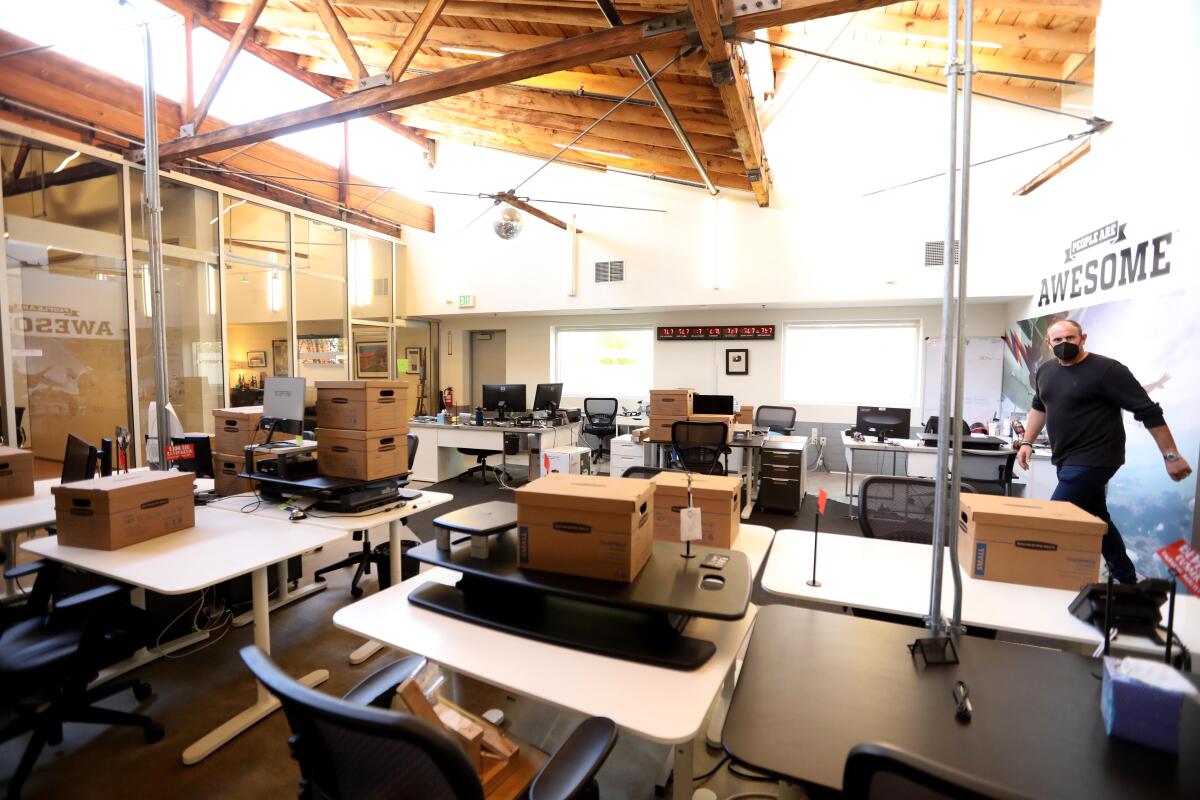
(851, 363)
(605, 362)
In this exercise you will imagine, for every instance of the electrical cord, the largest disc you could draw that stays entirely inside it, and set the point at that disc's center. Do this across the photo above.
(706, 775)
(750, 776)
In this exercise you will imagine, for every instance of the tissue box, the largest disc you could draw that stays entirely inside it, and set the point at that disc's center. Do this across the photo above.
(1143, 712)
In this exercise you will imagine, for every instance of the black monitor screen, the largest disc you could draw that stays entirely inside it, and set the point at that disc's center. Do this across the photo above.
(79, 460)
(202, 462)
(547, 394)
(712, 404)
(511, 394)
(883, 422)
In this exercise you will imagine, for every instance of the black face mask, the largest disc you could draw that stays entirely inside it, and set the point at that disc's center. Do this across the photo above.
(1066, 351)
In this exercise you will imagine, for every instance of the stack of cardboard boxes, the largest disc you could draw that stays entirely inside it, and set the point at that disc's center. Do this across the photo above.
(668, 406)
(236, 429)
(362, 429)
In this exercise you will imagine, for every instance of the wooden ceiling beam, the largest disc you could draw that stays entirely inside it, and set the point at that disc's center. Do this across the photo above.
(557, 14)
(1066, 8)
(245, 26)
(1004, 35)
(1058, 166)
(518, 203)
(623, 40)
(341, 41)
(416, 37)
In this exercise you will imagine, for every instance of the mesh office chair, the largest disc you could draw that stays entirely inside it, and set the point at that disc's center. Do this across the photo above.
(698, 446)
(511, 447)
(48, 661)
(363, 558)
(988, 471)
(641, 472)
(880, 772)
(900, 509)
(600, 414)
(356, 747)
(781, 419)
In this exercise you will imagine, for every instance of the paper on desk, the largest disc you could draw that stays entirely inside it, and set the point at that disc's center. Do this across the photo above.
(1156, 674)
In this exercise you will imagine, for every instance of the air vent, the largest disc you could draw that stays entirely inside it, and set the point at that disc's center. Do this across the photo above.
(381, 287)
(935, 253)
(610, 271)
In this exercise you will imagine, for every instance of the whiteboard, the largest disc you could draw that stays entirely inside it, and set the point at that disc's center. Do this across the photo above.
(983, 360)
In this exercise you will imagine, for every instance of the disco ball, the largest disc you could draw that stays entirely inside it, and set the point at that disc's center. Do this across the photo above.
(508, 224)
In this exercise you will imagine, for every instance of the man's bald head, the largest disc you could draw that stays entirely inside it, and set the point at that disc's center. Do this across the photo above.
(1072, 323)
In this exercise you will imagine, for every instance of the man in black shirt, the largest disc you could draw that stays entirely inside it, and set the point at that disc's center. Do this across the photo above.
(1079, 397)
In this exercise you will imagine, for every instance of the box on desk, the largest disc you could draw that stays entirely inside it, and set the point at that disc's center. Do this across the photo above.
(725, 418)
(719, 498)
(587, 525)
(226, 467)
(362, 405)
(671, 402)
(362, 455)
(236, 428)
(660, 428)
(120, 510)
(1144, 701)
(16, 473)
(1047, 543)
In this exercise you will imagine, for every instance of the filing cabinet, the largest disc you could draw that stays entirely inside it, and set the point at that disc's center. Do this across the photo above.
(781, 475)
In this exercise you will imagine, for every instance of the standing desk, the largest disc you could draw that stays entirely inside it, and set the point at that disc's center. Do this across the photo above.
(663, 705)
(194, 558)
(345, 524)
(438, 458)
(814, 685)
(894, 577)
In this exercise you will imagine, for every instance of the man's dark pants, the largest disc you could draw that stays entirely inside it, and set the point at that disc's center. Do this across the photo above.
(1084, 486)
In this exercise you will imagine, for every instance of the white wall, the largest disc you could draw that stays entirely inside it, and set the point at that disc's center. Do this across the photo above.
(701, 365)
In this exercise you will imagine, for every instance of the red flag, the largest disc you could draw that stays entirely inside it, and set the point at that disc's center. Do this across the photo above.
(822, 496)
(1184, 561)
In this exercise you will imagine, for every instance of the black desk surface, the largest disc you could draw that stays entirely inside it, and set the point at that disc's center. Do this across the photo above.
(669, 583)
(814, 684)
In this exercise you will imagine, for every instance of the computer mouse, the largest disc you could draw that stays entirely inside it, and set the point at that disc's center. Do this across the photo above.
(297, 515)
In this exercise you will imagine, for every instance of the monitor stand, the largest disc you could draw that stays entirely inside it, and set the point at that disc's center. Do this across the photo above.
(500, 411)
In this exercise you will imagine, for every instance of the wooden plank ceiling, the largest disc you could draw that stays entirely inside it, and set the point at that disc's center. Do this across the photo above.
(533, 111)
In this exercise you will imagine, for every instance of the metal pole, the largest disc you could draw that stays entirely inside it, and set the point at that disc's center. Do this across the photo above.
(964, 198)
(157, 310)
(945, 424)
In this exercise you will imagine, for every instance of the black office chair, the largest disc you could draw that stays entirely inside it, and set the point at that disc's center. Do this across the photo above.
(600, 415)
(900, 509)
(931, 426)
(988, 471)
(883, 772)
(364, 557)
(36, 601)
(47, 662)
(641, 472)
(21, 437)
(698, 446)
(356, 747)
(781, 419)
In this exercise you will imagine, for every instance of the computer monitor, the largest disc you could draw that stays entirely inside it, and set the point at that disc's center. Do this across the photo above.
(79, 460)
(883, 422)
(712, 404)
(201, 462)
(503, 397)
(548, 397)
(283, 404)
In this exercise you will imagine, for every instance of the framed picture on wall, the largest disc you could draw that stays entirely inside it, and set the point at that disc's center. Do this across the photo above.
(371, 359)
(256, 359)
(415, 359)
(279, 357)
(737, 362)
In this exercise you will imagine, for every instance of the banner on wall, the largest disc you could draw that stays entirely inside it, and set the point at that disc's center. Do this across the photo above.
(1105, 259)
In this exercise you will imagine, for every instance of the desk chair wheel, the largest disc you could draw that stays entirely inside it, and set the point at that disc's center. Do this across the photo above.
(356, 592)
(154, 732)
(142, 691)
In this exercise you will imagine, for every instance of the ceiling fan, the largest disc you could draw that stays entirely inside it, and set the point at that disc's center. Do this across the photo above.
(508, 223)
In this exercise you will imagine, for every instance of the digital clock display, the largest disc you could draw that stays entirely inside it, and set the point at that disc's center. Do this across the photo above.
(711, 332)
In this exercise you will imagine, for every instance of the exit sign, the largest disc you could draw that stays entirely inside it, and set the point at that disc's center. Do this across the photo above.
(466, 301)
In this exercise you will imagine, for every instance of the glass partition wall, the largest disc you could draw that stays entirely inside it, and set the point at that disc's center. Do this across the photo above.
(252, 290)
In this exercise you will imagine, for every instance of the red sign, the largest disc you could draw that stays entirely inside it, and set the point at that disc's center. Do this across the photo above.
(822, 496)
(1183, 560)
(180, 452)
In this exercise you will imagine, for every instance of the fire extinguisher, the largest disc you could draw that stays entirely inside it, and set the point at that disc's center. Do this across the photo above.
(448, 398)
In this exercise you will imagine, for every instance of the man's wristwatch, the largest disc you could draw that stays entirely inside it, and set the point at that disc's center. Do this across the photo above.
(1171, 456)
(1024, 443)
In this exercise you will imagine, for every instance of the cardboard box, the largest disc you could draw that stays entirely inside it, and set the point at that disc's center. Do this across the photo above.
(726, 418)
(362, 405)
(660, 428)
(588, 525)
(16, 473)
(671, 402)
(236, 428)
(226, 467)
(1139, 710)
(120, 510)
(640, 435)
(1047, 543)
(745, 415)
(362, 455)
(719, 498)
(567, 460)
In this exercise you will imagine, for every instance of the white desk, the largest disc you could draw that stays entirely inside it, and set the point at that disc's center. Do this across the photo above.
(894, 577)
(346, 524)
(189, 560)
(438, 458)
(663, 705)
(626, 424)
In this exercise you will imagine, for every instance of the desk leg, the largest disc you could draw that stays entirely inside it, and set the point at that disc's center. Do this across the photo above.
(265, 702)
(11, 592)
(395, 535)
(850, 486)
(720, 707)
(283, 594)
(682, 784)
